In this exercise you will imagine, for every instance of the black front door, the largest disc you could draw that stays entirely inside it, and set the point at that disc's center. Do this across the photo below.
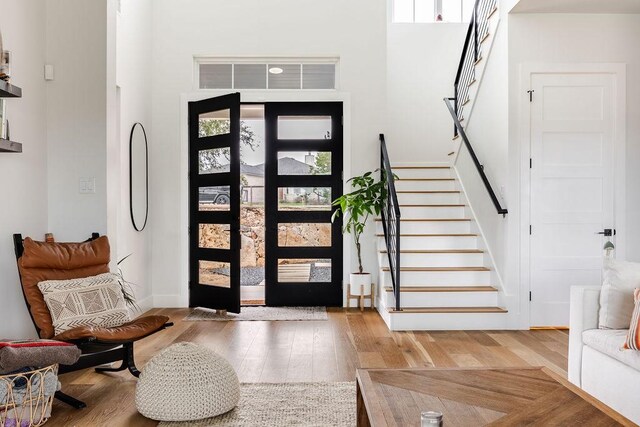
(303, 174)
(214, 203)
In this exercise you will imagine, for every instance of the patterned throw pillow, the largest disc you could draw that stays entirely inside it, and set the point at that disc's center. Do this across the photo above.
(91, 301)
(633, 336)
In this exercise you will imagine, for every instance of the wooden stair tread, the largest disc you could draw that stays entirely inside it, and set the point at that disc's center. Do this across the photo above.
(466, 101)
(443, 289)
(420, 167)
(432, 269)
(477, 61)
(471, 83)
(431, 219)
(428, 192)
(433, 235)
(437, 251)
(427, 310)
(455, 137)
(495, 9)
(451, 153)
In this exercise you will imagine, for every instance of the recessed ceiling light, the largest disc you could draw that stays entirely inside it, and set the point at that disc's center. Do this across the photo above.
(276, 70)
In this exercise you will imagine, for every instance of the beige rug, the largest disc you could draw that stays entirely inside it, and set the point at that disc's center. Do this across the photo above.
(261, 313)
(288, 404)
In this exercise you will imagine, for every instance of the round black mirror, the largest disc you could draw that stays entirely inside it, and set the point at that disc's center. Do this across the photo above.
(138, 177)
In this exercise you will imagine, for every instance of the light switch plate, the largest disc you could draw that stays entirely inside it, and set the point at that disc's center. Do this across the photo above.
(87, 185)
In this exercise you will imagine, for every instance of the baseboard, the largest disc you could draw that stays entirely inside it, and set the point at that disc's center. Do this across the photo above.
(168, 301)
(145, 303)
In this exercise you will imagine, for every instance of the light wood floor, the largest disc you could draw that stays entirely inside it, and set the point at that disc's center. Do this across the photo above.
(307, 351)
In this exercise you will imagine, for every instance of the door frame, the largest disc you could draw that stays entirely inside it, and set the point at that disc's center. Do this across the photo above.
(618, 70)
(259, 97)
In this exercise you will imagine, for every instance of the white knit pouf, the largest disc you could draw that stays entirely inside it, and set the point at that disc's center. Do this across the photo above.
(187, 382)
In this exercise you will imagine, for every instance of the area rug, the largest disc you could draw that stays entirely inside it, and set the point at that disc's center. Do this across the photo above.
(288, 404)
(261, 313)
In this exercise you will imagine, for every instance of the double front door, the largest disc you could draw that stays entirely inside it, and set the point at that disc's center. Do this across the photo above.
(301, 173)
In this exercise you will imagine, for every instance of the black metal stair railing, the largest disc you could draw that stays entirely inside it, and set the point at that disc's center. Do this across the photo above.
(391, 221)
(472, 53)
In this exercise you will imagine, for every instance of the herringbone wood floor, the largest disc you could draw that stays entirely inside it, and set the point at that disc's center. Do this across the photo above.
(308, 351)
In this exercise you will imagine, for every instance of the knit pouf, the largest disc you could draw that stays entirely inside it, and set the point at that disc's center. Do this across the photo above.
(187, 382)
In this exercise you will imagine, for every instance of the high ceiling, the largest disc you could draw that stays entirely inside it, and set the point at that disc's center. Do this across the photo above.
(577, 6)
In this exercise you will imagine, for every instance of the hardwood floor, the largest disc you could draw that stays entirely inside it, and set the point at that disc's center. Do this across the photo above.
(308, 351)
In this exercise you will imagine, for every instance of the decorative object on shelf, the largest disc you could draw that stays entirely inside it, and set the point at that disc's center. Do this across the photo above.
(26, 396)
(367, 199)
(138, 177)
(5, 68)
(187, 382)
(3, 117)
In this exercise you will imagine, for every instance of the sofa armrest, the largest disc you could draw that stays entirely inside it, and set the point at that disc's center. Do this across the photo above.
(584, 307)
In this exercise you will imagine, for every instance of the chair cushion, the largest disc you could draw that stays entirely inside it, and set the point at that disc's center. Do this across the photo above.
(90, 301)
(42, 261)
(186, 382)
(611, 342)
(131, 331)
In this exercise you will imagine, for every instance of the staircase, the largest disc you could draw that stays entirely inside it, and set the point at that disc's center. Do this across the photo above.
(445, 275)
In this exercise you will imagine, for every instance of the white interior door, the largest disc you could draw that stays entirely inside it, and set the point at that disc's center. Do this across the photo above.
(572, 193)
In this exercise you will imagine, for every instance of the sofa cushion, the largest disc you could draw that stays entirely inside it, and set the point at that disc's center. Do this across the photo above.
(610, 342)
(95, 301)
(633, 337)
(616, 298)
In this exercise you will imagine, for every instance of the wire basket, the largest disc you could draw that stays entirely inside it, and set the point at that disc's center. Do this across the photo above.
(26, 397)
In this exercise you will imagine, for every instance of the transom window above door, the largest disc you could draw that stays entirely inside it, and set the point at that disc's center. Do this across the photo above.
(274, 73)
(427, 11)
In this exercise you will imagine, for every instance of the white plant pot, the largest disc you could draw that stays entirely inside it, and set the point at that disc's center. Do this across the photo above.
(360, 284)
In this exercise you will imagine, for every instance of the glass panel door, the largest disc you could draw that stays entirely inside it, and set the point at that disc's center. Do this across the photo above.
(214, 203)
(303, 174)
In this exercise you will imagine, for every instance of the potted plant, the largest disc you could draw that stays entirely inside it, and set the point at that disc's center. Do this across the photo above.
(368, 198)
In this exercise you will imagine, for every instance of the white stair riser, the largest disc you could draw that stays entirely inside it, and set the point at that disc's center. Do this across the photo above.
(435, 260)
(445, 321)
(430, 227)
(443, 299)
(423, 173)
(434, 242)
(429, 198)
(410, 212)
(424, 185)
(439, 278)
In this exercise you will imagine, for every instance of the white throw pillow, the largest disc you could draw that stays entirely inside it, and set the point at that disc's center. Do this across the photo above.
(91, 301)
(616, 297)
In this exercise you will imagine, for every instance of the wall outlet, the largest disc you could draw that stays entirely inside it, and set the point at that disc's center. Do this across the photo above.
(87, 185)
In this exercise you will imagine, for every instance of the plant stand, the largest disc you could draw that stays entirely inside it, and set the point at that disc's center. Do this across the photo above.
(361, 297)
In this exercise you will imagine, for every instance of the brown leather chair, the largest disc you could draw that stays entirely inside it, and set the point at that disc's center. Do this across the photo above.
(39, 261)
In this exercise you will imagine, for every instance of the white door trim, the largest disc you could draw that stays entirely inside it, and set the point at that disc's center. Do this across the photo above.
(257, 96)
(619, 71)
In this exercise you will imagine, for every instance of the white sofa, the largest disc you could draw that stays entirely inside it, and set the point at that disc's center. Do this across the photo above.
(596, 362)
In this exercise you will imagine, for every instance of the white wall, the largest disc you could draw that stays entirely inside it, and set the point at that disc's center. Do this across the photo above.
(422, 61)
(566, 38)
(133, 71)
(487, 127)
(76, 35)
(23, 191)
(353, 30)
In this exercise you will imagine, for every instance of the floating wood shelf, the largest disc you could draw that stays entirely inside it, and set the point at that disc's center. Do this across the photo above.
(7, 146)
(7, 90)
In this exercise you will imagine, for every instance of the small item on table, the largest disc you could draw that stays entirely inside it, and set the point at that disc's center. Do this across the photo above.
(431, 419)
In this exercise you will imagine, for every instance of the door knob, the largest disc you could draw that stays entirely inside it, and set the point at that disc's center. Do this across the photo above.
(608, 232)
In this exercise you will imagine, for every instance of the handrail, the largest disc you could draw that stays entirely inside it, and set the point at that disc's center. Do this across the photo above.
(390, 214)
(476, 162)
(471, 52)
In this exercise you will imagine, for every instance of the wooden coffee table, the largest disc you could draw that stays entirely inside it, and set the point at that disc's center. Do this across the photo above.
(475, 397)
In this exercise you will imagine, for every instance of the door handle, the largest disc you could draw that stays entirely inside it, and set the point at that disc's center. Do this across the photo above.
(608, 232)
